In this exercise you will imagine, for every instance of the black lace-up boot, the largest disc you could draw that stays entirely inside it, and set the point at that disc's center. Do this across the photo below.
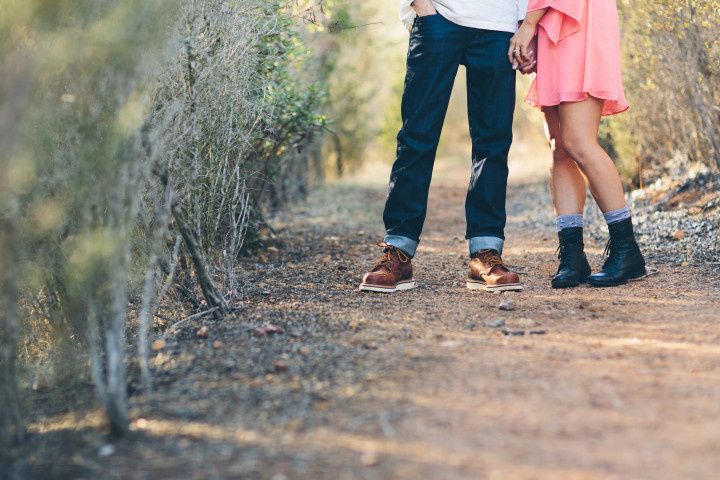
(624, 262)
(574, 268)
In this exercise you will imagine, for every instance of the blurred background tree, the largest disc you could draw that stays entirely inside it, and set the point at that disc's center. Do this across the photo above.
(672, 76)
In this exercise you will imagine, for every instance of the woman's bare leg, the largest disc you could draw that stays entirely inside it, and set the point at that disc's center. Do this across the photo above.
(566, 180)
(579, 125)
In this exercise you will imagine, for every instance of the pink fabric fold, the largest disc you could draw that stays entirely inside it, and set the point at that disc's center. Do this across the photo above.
(578, 54)
(562, 18)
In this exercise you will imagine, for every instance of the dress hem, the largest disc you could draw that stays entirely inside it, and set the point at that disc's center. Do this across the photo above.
(574, 98)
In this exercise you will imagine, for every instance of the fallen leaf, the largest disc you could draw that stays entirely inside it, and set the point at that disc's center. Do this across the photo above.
(158, 345)
(678, 235)
(267, 329)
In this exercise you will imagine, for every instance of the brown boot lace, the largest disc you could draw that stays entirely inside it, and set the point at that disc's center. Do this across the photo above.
(385, 259)
(491, 259)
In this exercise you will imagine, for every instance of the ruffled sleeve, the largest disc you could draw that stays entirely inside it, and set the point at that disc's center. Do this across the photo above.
(562, 18)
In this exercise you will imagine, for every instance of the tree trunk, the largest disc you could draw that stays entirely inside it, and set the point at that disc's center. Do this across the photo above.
(212, 296)
(11, 426)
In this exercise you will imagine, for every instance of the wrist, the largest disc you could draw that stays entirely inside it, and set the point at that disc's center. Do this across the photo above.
(423, 7)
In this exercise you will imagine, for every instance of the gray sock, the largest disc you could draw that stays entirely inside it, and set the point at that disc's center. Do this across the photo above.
(617, 216)
(569, 221)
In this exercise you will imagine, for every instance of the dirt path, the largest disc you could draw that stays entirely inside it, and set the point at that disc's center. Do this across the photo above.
(621, 383)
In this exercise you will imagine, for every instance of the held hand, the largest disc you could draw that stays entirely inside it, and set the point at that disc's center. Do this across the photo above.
(424, 8)
(520, 49)
(530, 66)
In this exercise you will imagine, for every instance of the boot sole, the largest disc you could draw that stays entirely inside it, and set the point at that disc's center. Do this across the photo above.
(560, 285)
(401, 286)
(565, 285)
(637, 278)
(482, 286)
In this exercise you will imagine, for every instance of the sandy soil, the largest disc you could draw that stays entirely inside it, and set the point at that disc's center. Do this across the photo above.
(621, 383)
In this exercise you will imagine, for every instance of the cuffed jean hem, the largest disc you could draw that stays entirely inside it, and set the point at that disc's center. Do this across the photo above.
(476, 244)
(405, 244)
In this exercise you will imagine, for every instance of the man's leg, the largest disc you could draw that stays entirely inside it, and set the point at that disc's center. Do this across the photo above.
(491, 104)
(436, 46)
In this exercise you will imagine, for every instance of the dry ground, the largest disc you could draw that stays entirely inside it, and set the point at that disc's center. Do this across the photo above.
(621, 383)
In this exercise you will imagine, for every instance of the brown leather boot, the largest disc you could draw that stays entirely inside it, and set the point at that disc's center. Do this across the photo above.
(487, 272)
(392, 272)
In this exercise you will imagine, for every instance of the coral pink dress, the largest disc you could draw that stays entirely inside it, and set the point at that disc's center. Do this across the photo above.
(578, 54)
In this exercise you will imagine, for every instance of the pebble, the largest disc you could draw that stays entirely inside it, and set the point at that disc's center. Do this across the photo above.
(499, 323)
(280, 366)
(527, 323)
(106, 450)
(506, 306)
(513, 333)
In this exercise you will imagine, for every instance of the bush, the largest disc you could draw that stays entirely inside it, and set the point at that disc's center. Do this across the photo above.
(672, 75)
(143, 154)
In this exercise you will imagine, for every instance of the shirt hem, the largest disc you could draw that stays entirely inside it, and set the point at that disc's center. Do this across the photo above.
(478, 24)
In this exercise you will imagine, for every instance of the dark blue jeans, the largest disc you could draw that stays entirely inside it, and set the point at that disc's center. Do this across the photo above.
(437, 49)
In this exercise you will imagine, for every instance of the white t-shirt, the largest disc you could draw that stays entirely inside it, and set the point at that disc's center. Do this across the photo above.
(499, 15)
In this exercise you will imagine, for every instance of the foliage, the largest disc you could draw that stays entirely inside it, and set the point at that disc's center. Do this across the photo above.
(672, 77)
(141, 156)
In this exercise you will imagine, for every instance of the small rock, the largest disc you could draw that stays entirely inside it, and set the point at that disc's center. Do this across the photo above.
(527, 323)
(267, 329)
(280, 366)
(158, 345)
(538, 332)
(217, 344)
(106, 450)
(506, 305)
(273, 250)
(499, 323)
(513, 333)
(678, 235)
(471, 326)
(202, 332)
(369, 458)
